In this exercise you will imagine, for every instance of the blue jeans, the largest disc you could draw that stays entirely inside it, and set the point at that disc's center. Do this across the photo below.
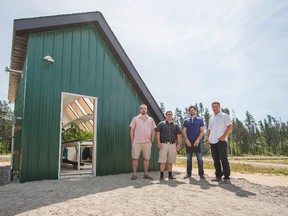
(199, 161)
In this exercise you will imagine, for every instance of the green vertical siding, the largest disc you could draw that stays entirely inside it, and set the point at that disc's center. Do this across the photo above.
(83, 65)
(19, 112)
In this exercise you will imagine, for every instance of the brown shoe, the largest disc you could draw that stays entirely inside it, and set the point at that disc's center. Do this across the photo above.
(171, 177)
(134, 177)
(148, 177)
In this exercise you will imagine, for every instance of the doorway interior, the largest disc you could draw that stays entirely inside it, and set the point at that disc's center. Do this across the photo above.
(77, 146)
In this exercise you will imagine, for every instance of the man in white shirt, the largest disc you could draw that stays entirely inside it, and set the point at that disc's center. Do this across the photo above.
(219, 128)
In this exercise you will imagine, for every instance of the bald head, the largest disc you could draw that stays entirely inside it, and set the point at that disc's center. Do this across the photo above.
(143, 109)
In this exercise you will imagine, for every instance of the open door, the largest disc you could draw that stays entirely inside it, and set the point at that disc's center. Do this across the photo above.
(77, 146)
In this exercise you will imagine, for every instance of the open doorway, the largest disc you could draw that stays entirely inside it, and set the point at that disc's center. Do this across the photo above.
(77, 147)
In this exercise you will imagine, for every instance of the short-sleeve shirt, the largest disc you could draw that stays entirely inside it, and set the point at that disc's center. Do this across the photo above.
(217, 126)
(193, 126)
(142, 128)
(168, 131)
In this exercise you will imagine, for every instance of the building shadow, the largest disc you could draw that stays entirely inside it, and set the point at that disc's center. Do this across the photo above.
(17, 198)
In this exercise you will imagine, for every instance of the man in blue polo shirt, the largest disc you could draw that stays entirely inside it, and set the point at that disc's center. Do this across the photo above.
(193, 131)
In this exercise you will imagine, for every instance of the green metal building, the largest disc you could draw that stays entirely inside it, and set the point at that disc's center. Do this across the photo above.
(73, 56)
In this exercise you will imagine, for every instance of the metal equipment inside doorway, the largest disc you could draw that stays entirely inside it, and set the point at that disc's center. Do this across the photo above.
(77, 146)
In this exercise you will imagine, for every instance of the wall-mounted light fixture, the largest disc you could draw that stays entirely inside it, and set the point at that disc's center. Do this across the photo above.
(48, 59)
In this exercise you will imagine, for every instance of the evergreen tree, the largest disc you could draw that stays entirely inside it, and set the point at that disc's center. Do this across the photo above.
(201, 110)
(162, 107)
(273, 134)
(262, 138)
(252, 135)
(6, 127)
(178, 117)
(206, 118)
(197, 107)
(226, 110)
(240, 138)
(186, 113)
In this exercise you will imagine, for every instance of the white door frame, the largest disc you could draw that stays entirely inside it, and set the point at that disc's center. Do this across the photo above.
(94, 132)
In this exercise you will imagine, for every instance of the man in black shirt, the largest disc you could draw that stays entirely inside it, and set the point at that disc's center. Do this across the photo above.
(167, 135)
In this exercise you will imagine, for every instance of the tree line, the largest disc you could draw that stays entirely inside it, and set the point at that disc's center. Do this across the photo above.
(249, 137)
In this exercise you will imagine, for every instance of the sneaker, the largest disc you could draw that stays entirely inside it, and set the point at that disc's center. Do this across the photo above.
(171, 177)
(187, 176)
(217, 179)
(161, 178)
(202, 177)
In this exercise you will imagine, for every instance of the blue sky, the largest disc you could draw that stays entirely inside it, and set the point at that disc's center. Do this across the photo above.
(190, 51)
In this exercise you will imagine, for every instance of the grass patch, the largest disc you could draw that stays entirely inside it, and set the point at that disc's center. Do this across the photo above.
(241, 168)
(5, 160)
(182, 163)
(9, 154)
(278, 161)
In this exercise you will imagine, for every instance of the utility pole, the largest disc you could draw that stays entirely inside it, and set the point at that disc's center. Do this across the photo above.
(234, 120)
(3, 127)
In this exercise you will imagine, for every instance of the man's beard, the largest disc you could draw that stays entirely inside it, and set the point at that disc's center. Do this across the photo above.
(143, 113)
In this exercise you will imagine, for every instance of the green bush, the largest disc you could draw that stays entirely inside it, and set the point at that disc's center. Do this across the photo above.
(74, 133)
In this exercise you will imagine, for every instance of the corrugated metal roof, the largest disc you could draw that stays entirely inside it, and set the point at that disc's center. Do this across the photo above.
(22, 28)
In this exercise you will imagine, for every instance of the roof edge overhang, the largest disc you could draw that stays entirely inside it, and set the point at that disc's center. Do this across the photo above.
(23, 27)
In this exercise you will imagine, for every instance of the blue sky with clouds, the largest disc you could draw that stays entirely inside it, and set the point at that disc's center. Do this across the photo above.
(189, 51)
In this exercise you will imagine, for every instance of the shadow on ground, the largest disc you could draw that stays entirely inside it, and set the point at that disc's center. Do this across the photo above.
(202, 183)
(229, 186)
(17, 198)
(235, 189)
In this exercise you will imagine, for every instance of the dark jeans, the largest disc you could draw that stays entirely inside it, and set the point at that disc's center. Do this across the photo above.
(199, 161)
(219, 153)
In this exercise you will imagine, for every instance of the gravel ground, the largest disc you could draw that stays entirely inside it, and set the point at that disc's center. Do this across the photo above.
(117, 195)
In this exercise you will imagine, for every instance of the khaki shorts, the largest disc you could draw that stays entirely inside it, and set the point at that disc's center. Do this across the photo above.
(144, 147)
(168, 153)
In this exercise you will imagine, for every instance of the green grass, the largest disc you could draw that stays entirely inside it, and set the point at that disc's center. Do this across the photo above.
(5, 160)
(9, 154)
(277, 161)
(241, 168)
(252, 169)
